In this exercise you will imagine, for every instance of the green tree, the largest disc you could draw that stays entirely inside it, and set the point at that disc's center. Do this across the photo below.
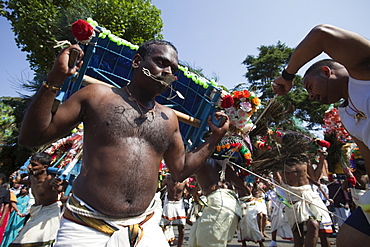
(265, 67)
(12, 156)
(39, 24)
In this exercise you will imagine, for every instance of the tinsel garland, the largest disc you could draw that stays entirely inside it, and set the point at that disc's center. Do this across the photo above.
(71, 144)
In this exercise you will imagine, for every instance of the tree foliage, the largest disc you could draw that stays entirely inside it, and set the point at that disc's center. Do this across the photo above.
(39, 24)
(12, 155)
(265, 67)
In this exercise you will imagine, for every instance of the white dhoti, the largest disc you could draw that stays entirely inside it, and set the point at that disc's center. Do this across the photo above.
(248, 226)
(217, 225)
(312, 207)
(83, 226)
(279, 221)
(42, 227)
(356, 194)
(261, 206)
(173, 213)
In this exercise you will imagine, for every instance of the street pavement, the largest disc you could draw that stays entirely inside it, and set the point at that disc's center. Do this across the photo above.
(235, 243)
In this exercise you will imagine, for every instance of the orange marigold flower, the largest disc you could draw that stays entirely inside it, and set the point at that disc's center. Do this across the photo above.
(246, 94)
(238, 94)
(218, 148)
(256, 101)
(227, 146)
(247, 156)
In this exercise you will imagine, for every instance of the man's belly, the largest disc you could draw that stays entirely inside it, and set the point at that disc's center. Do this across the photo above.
(117, 199)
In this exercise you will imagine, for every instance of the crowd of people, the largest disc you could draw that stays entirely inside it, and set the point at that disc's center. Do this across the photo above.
(235, 206)
(116, 200)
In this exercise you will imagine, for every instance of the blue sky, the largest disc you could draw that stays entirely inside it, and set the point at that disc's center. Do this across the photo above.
(217, 35)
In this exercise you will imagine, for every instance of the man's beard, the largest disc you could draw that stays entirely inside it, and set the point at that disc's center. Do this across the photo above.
(34, 173)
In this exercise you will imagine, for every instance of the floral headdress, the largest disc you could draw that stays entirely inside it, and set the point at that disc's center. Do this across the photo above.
(239, 106)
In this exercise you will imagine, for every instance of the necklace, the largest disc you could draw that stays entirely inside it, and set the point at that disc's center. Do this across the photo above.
(150, 113)
(359, 114)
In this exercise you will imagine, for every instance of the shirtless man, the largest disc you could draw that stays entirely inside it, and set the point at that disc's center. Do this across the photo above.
(197, 204)
(217, 225)
(258, 192)
(126, 135)
(174, 209)
(248, 228)
(346, 77)
(43, 224)
(295, 177)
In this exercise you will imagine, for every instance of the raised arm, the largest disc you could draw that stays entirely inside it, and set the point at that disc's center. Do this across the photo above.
(40, 125)
(315, 174)
(183, 165)
(348, 48)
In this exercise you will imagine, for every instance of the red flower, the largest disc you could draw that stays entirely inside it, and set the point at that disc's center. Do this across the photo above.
(352, 181)
(82, 30)
(227, 101)
(323, 143)
(238, 94)
(246, 94)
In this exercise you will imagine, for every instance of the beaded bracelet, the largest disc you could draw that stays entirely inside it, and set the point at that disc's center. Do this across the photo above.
(51, 87)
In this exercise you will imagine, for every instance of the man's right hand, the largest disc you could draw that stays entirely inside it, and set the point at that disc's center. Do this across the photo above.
(281, 86)
(61, 70)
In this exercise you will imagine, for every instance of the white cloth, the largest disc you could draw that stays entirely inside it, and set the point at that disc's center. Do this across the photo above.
(169, 233)
(76, 235)
(303, 210)
(248, 226)
(42, 226)
(73, 234)
(216, 227)
(279, 221)
(158, 211)
(261, 206)
(173, 213)
(358, 91)
(356, 194)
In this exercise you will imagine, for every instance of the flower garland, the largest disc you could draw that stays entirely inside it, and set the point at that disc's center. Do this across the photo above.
(239, 106)
(231, 144)
(332, 123)
(71, 145)
(84, 31)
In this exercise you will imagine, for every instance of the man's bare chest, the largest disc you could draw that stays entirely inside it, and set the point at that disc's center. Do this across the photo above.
(115, 123)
